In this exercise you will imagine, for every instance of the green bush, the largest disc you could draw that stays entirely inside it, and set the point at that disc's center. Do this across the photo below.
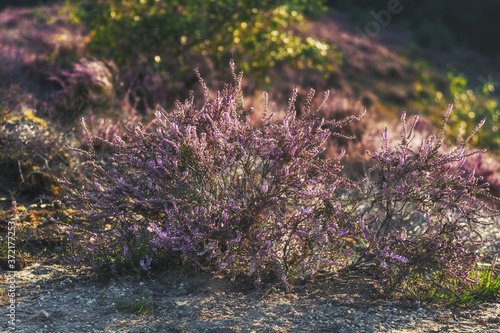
(470, 107)
(256, 34)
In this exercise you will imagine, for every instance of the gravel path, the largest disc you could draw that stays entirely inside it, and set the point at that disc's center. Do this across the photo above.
(53, 298)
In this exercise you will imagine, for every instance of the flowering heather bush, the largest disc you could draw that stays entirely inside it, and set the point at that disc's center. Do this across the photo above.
(209, 189)
(422, 212)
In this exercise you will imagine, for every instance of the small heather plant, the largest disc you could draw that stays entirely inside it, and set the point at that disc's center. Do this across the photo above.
(207, 188)
(90, 83)
(421, 211)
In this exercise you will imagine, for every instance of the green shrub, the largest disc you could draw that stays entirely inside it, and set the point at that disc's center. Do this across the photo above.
(139, 304)
(470, 107)
(257, 34)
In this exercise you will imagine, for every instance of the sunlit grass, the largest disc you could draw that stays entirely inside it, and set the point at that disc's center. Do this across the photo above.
(139, 304)
(484, 284)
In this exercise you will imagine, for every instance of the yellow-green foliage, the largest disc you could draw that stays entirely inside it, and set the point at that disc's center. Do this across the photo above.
(470, 106)
(256, 34)
(484, 284)
(27, 116)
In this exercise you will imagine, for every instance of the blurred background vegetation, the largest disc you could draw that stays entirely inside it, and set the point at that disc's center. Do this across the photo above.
(256, 34)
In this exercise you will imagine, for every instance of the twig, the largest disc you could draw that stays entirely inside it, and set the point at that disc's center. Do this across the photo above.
(46, 167)
(20, 171)
(463, 323)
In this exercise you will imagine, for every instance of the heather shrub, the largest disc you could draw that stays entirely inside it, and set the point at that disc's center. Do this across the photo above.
(108, 129)
(421, 211)
(206, 188)
(90, 83)
(203, 187)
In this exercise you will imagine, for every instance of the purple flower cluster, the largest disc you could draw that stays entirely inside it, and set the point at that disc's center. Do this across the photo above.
(206, 188)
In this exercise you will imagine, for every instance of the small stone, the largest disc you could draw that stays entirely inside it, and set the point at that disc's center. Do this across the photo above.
(44, 315)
